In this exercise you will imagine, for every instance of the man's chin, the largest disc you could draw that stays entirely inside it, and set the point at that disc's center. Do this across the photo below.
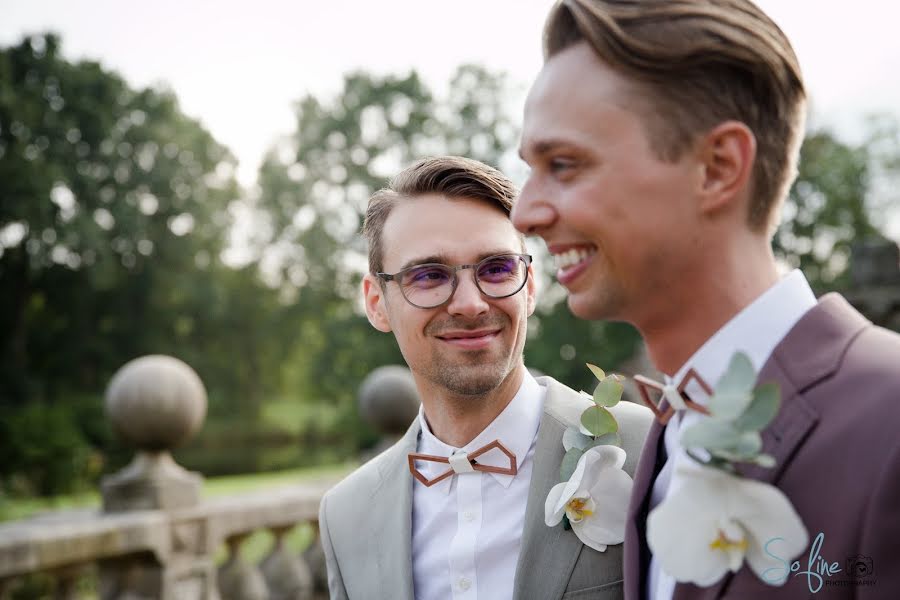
(591, 306)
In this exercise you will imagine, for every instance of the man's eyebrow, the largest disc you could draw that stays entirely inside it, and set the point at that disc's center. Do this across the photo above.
(541, 147)
(444, 260)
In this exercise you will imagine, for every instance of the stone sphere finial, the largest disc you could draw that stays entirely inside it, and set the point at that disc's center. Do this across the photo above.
(388, 399)
(156, 402)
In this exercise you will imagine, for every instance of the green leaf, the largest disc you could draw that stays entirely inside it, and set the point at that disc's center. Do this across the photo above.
(573, 438)
(763, 408)
(569, 462)
(733, 392)
(609, 439)
(608, 392)
(745, 449)
(599, 421)
(720, 436)
(597, 371)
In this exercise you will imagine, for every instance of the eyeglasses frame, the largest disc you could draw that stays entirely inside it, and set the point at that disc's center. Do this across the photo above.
(454, 269)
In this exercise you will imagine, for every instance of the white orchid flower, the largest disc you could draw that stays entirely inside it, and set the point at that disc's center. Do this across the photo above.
(595, 499)
(715, 521)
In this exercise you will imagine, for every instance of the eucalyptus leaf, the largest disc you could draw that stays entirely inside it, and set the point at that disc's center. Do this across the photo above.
(608, 392)
(745, 449)
(599, 421)
(597, 371)
(720, 436)
(763, 408)
(569, 462)
(573, 438)
(734, 391)
(609, 439)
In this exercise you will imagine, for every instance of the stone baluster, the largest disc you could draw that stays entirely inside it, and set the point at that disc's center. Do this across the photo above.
(66, 582)
(314, 556)
(239, 579)
(156, 403)
(287, 575)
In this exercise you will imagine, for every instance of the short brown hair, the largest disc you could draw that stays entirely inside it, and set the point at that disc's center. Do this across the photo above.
(449, 176)
(695, 64)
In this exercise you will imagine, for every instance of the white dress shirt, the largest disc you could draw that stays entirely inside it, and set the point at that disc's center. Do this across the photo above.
(756, 331)
(467, 529)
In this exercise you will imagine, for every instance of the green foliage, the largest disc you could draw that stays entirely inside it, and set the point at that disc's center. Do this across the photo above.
(599, 421)
(738, 412)
(45, 443)
(608, 392)
(829, 206)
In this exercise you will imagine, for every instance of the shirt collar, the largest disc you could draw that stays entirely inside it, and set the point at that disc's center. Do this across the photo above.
(756, 331)
(515, 427)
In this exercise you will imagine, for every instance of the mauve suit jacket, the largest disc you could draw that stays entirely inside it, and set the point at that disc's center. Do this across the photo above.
(836, 440)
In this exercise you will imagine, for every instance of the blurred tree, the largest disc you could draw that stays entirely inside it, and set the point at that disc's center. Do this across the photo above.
(113, 216)
(827, 209)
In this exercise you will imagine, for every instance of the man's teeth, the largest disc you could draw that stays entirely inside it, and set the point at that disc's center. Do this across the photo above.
(565, 260)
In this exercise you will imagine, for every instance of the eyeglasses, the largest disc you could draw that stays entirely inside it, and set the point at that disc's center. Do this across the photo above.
(432, 284)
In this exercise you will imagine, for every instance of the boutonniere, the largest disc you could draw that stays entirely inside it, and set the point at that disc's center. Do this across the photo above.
(592, 497)
(718, 519)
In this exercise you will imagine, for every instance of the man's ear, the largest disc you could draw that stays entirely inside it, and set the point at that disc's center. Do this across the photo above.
(727, 153)
(376, 309)
(531, 291)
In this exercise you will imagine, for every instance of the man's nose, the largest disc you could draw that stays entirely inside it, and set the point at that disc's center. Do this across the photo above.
(531, 213)
(467, 300)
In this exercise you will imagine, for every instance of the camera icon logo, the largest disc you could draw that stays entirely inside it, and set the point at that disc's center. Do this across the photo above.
(859, 567)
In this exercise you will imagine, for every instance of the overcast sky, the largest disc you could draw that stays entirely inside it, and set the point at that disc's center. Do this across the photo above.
(239, 65)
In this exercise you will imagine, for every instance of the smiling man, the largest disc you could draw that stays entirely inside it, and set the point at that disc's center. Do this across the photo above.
(449, 277)
(662, 138)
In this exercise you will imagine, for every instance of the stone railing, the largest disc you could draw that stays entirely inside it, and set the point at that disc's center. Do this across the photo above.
(150, 554)
(154, 538)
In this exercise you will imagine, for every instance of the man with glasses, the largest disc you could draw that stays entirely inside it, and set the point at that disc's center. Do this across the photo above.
(456, 509)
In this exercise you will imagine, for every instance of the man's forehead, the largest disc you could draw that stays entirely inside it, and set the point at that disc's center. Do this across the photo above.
(452, 230)
(573, 88)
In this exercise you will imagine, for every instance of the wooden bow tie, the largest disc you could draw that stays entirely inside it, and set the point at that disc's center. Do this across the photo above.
(674, 397)
(462, 462)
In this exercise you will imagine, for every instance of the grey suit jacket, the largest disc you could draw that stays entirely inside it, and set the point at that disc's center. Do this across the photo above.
(837, 450)
(366, 522)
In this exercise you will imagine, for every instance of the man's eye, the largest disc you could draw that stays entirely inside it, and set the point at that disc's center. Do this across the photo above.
(425, 277)
(558, 165)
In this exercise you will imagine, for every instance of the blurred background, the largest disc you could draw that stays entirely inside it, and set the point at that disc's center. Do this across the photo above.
(188, 178)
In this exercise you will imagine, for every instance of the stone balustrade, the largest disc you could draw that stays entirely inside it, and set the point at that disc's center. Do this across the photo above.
(154, 537)
(170, 553)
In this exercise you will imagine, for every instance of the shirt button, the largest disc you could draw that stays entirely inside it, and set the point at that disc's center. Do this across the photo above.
(469, 516)
(464, 583)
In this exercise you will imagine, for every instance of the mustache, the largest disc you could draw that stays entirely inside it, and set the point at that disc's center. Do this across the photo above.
(438, 328)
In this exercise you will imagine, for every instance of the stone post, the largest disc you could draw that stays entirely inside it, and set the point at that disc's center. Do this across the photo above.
(156, 403)
(388, 401)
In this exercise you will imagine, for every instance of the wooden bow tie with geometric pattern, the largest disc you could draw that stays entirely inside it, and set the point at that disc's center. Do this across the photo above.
(462, 462)
(674, 397)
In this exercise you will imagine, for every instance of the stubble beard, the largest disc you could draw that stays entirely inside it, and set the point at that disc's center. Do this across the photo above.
(477, 373)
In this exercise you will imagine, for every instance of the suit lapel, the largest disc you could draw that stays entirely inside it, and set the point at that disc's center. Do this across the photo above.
(636, 554)
(548, 554)
(810, 353)
(391, 520)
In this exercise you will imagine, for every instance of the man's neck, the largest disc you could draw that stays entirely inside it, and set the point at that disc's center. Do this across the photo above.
(700, 307)
(457, 420)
